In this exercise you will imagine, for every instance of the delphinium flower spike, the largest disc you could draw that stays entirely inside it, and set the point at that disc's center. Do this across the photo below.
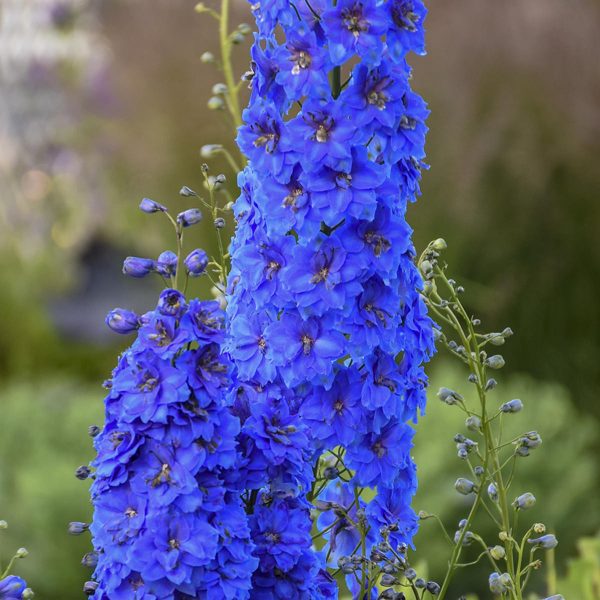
(327, 330)
(168, 518)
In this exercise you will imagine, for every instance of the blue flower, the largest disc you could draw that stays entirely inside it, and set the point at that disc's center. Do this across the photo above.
(12, 587)
(349, 188)
(325, 131)
(323, 276)
(406, 33)
(303, 349)
(163, 335)
(341, 516)
(335, 416)
(378, 458)
(302, 65)
(205, 321)
(355, 27)
(281, 533)
(147, 387)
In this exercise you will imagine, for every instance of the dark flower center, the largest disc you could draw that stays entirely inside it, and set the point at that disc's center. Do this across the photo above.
(404, 17)
(307, 343)
(262, 344)
(354, 21)
(174, 544)
(379, 449)
(377, 242)
(273, 537)
(131, 512)
(301, 60)
(290, 200)
(377, 98)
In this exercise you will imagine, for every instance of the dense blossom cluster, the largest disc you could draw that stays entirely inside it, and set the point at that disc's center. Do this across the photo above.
(327, 331)
(169, 522)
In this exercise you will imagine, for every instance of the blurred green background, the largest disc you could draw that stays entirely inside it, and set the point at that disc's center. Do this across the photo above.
(108, 104)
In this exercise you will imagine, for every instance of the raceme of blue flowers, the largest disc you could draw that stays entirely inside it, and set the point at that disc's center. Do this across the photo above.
(254, 453)
(326, 328)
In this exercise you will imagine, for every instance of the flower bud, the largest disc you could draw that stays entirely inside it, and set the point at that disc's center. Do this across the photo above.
(244, 28)
(137, 267)
(196, 262)
(410, 574)
(187, 192)
(531, 439)
(166, 265)
(496, 339)
(237, 37)
(189, 217)
(89, 588)
(426, 268)
(207, 57)
(464, 486)
(27, 594)
(449, 396)
(122, 321)
(512, 406)
(473, 423)
(171, 303)
(219, 88)
(539, 528)
(93, 430)
(497, 552)
(433, 588)
(21, 553)
(215, 103)
(420, 583)
(83, 472)
(219, 223)
(555, 597)
(77, 527)
(498, 583)
(439, 244)
(479, 470)
(495, 362)
(490, 384)
(388, 580)
(524, 501)
(503, 536)
(149, 206)
(210, 150)
(493, 492)
(331, 473)
(547, 542)
(507, 332)
(90, 560)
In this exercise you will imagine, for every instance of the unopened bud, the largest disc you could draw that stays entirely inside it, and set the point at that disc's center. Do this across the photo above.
(90, 587)
(449, 396)
(21, 553)
(547, 542)
(149, 206)
(3, 524)
(512, 406)
(189, 217)
(77, 527)
(495, 362)
(473, 423)
(539, 528)
(219, 88)
(464, 486)
(207, 57)
(215, 103)
(122, 321)
(497, 552)
(439, 244)
(187, 192)
(210, 150)
(493, 492)
(219, 223)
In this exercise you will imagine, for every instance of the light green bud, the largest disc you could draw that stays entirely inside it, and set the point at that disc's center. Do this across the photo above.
(497, 552)
(215, 103)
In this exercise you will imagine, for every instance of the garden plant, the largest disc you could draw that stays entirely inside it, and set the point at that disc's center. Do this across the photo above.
(257, 444)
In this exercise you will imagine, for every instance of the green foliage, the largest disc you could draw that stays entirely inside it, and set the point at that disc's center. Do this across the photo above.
(43, 441)
(582, 580)
(562, 474)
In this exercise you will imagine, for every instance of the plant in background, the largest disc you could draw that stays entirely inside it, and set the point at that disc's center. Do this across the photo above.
(13, 587)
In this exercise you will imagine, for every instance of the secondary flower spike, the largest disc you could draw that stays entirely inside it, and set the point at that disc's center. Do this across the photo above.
(326, 327)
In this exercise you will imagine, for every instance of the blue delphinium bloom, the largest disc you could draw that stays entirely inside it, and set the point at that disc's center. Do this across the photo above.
(327, 332)
(12, 588)
(167, 502)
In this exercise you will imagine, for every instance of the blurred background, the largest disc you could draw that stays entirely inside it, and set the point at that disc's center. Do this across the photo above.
(102, 103)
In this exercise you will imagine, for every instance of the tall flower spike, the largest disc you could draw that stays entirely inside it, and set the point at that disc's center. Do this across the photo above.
(327, 330)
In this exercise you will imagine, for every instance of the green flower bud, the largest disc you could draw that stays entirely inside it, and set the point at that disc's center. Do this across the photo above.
(3, 524)
(219, 89)
(237, 37)
(495, 362)
(497, 552)
(524, 501)
(449, 396)
(473, 423)
(27, 594)
(21, 553)
(244, 28)
(439, 244)
(207, 57)
(210, 150)
(215, 103)
(464, 486)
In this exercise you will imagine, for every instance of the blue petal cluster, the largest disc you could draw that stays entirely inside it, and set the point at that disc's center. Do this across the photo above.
(169, 522)
(327, 331)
